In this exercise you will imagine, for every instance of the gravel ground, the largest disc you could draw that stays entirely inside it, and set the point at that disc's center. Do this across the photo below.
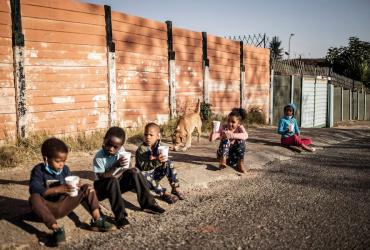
(312, 201)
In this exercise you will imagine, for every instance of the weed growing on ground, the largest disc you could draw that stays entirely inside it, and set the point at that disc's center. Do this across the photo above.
(168, 128)
(10, 156)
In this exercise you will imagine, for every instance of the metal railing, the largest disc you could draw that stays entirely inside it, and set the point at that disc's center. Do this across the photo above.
(257, 40)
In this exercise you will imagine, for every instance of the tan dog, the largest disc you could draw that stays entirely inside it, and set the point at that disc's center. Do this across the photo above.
(185, 127)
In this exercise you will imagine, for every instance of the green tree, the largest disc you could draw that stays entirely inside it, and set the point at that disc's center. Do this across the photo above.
(352, 61)
(275, 47)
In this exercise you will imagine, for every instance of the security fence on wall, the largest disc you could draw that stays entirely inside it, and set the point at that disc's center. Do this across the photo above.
(79, 67)
(323, 98)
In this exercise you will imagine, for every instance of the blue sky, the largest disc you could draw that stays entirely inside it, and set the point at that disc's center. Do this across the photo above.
(317, 24)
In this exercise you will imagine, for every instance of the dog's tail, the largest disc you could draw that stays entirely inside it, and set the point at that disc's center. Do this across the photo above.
(198, 107)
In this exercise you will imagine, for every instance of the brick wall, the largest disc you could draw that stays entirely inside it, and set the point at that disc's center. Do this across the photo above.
(224, 73)
(189, 72)
(142, 69)
(257, 78)
(65, 66)
(7, 91)
(67, 75)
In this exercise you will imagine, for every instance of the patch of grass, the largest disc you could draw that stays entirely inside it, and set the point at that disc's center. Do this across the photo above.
(168, 128)
(29, 149)
(255, 116)
(135, 135)
(84, 141)
(10, 156)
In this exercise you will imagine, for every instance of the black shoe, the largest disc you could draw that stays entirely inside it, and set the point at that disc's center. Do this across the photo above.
(155, 209)
(58, 236)
(101, 225)
(120, 223)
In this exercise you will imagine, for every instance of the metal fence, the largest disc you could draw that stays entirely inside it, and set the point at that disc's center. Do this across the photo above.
(258, 40)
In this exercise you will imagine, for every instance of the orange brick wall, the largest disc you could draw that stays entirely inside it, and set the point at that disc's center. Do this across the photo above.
(257, 78)
(65, 66)
(189, 72)
(142, 69)
(224, 74)
(7, 91)
(66, 71)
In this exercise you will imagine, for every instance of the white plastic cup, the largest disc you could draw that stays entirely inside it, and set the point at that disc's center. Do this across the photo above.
(291, 127)
(126, 155)
(216, 126)
(163, 150)
(72, 181)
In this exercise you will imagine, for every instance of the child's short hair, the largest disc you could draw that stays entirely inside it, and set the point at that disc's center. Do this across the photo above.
(50, 147)
(240, 113)
(152, 125)
(116, 132)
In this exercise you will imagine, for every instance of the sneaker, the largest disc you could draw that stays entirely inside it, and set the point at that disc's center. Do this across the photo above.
(170, 199)
(101, 225)
(154, 209)
(58, 236)
(120, 223)
(178, 193)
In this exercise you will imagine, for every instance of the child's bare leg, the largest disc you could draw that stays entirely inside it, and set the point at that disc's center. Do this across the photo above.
(222, 163)
(95, 214)
(240, 166)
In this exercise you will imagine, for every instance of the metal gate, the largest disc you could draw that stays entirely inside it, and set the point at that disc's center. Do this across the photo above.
(321, 102)
(314, 102)
(308, 102)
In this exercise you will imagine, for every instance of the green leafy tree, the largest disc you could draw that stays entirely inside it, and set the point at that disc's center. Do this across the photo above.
(275, 47)
(352, 61)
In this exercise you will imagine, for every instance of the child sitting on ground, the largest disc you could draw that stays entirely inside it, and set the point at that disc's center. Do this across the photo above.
(107, 162)
(155, 166)
(49, 198)
(232, 146)
(289, 131)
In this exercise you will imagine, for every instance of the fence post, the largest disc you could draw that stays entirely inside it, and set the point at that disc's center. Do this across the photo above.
(112, 85)
(341, 102)
(19, 73)
(271, 109)
(171, 71)
(350, 104)
(330, 114)
(242, 77)
(205, 68)
(358, 105)
(301, 104)
(291, 88)
(365, 108)
(314, 98)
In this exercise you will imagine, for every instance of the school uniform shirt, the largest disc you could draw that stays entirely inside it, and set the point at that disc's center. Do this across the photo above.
(103, 162)
(41, 180)
(283, 127)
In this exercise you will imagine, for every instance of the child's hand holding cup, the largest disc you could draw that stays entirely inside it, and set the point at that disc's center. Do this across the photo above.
(72, 184)
(124, 159)
(163, 153)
